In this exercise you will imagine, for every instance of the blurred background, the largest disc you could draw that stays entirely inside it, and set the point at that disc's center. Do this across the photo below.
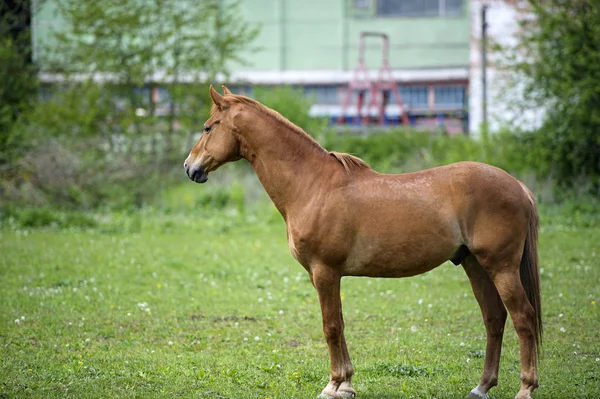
(100, 102)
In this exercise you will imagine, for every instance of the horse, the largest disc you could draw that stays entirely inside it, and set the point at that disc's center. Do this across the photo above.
(345, 219)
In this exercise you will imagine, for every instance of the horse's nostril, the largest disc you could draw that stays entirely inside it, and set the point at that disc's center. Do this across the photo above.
(185, 164)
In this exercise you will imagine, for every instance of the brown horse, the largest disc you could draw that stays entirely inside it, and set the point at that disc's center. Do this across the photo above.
(345, 219)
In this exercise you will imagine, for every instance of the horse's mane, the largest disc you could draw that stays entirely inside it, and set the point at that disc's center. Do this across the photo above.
(349, 162)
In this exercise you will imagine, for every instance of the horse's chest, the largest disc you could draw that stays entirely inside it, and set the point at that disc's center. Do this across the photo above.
(292, 245)
(302, 246)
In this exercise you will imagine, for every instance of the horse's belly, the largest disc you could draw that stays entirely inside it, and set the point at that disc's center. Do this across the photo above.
(395, 267)
(387, 255)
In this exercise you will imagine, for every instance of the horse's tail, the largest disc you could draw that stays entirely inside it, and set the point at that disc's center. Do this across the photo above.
(530, 274)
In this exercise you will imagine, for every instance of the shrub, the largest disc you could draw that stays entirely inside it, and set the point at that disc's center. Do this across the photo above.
(292, 104)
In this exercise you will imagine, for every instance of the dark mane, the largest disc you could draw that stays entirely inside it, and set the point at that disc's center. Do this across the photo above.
(349, 162)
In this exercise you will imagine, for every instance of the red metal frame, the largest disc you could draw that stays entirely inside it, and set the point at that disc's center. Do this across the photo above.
(379, 88)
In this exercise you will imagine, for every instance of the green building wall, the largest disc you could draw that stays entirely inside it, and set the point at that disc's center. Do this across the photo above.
(323, 35)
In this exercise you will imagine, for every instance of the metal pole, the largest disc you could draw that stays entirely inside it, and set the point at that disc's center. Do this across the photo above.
(484, 64)
(283, 37)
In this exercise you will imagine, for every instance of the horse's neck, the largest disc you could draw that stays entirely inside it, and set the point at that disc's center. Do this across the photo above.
(289, 166)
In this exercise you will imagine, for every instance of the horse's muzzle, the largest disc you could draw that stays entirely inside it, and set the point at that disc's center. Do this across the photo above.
(197, 174)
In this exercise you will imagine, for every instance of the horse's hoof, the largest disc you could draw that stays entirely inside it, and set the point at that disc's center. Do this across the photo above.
(523, 395)
(477, 394)
(338, 395)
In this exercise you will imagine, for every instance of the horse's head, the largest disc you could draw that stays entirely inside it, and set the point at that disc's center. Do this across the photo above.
(217, 145)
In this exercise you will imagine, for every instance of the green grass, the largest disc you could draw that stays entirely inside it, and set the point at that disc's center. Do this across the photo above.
(210, 304)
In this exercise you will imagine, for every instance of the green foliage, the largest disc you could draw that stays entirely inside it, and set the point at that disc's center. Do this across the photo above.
(44, 217)
(99, 138)
(78, 112)
(292, 104)
(143, 44)
(407, 150)
(558, 62)
(18, 80)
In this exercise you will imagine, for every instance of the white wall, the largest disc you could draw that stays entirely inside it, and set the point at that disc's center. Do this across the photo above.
(502, 26)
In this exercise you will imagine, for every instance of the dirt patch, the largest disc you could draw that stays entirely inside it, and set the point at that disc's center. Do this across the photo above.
(234, 318)
(293, 343)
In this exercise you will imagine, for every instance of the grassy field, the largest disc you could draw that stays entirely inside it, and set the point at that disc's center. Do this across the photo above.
(211, 305)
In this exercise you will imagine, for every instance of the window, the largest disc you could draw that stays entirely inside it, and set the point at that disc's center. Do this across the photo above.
(362, 4)
(449, 97)
(322, 94)
(414, 96)
(419, 8)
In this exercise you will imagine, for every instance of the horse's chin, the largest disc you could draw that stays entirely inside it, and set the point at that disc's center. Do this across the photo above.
(201, 178)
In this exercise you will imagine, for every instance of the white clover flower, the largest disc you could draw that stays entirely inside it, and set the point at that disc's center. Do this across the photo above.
(562, 329)
(257, 338)
(144, 307)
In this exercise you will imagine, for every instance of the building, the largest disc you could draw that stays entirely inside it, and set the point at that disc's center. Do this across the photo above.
(314, 44)
(434, 56)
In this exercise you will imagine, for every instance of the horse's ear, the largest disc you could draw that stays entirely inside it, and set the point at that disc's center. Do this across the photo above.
(216, 97)
(226, 90)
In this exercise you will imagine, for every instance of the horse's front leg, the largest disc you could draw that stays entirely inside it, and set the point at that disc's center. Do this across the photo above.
(327, 284)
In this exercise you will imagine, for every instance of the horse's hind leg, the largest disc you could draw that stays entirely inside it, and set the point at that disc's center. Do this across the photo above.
(494, 316)
(508, 282)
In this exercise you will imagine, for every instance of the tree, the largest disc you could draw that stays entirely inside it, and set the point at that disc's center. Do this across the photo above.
(557, 61)
(18, 77)
(105, 62)
(131, 47)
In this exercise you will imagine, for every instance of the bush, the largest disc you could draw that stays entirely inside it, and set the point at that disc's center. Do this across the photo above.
(407, 150)
(292, 104)
(556, 67)
(45, 217)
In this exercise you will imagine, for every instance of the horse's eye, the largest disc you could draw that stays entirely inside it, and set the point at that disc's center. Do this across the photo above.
(206, 129)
